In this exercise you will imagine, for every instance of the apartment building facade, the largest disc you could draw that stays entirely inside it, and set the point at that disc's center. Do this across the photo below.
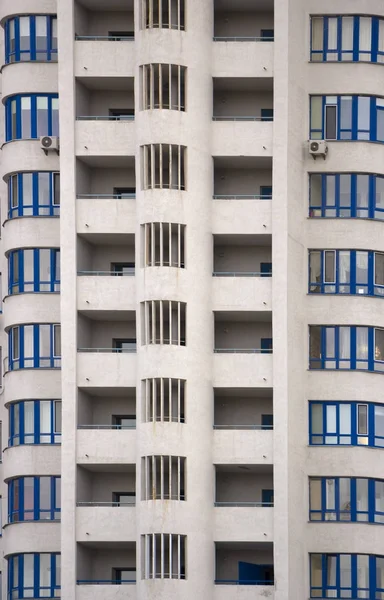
(192, 198)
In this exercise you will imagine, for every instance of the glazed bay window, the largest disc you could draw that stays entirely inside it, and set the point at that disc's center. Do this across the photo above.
(34, 422)
(347, 38)
(347, 576)
(34, 194)
(346, 272)
(34, 499)
(31, 38)
(34, 270)
(339, 347)
(346, 423)
(346, 499)
(31, 116)
(34, 576)
(34, 346)
(346, 195)
(347, 118)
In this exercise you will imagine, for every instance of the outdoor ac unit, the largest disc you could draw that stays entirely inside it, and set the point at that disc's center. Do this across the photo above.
(317, 148)
(48, 142)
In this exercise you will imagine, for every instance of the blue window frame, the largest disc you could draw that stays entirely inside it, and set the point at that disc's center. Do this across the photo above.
(347, 38)
(346, 195)
(34, 270)
(34, 194)
(34, 346)
(347, 118)
(347, 576)
(349, 347)
(346, 499)
(34, 499)
(35, 575)
(35, 422)
(30, 116)
(30, 38)
(346, 423)
(346, 272)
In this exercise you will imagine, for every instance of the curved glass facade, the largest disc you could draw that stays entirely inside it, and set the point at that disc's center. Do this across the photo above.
(30, 116)
(347, 576)
(34, 194)
(34, 270)
(36, 575)
(34, 499)
(30, 38)
(34, 346)
(34, 422)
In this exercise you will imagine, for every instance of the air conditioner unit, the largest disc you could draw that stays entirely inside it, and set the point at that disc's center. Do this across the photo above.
(317, 148)
(48, 142)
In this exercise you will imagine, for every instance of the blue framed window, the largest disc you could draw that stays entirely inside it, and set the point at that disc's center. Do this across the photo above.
(346, 195)
(266, 114)
(31, 37)
(346, 423)
(266, 192)
(30, 116)
(34, 270)
(349, 347)
(35, 422)
(34, 194)
(346, 499)
(347, 38)
(347, 118)
(346, 272)
(34, 499)
(35, 575)
(34, 346)
(267, 35)
(347, 576)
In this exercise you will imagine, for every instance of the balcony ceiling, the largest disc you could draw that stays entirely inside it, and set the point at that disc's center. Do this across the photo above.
(242, 393)
(244, 5)
(107, 5)
(243, 84)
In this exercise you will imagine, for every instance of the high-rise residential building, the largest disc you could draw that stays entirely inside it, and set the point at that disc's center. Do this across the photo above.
(192, 329)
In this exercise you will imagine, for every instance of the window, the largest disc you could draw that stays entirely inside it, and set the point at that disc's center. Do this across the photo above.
(124, 498)
(34, 194)
(30, 38)
(34, 270)
(164, 400)
(124, 421)
(127, 345)
(346, 272)
(265, 269)
(35, 422)
(34, 346)
(164, 478)
(267, 35)
(119, 36)
(124, 192)
(346, 423)
(347, 38)
(266, 421)
(31, 116)
(346, 348)
(167, 14)
(347, 118)
(34, 499)
(266, 114)
(267, 497)
(266, 345)
(163, 322)
(34, 576)
(123, 268)
(163, 556)
(346, 195)
(121, 114)
(266, 192)
(124, 575)
(346, 499)
(163, 87)
(164, 245)
(347, 576)
(163, 166)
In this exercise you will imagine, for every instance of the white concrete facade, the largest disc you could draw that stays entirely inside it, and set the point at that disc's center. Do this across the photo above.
(181, 438)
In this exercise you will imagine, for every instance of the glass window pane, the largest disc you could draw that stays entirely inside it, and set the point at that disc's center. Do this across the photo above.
(58, 492)
(315, 340)
(329, 342)
(363, 114)
(315, 190)
(317, 418)
(331, 570)
(29, 415)
(15, 343)
(58, 570)
(361, 268)
(345, 571)
(42, 115)
(28, 570)
(45, 493)
(345, 190)
(332, 33)
(379, 181)
(316, 116)
(362, 419)
(330, 122)
(346, 112)
(380, 125)
(45, 342)
(344, 342)
(362, 343)
(345, 418)
(379, 575)
(27, 189)
(344, 269)
(45, 416)
(315, 494)
(44, 193)
(362, 497)
(314, 269)
(14, 183)
(55, 116)
(25, 42)
(379, 421)
(28, 342)
(316, 570)
(54, 34)
(347, 34)
(345, 498)
(57, 340)
(317, 33)
(28, 498)
(56, 188)
(45, 268)
(26, 118)
(57, 420)
(45, 570)
(41, 38)
(379, 268)
(331, 419)
(28, 270)
(379, 344)
(329, 262)
(365, 40)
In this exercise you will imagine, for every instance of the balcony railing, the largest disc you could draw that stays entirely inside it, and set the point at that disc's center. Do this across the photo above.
(245, 504)
(106, 118)
(113, 350)
(105, 196)
(108, 273)
(244, 427)
(242, 196)
(240, 274)
(133, 426)
(242, 582)
(242, 39)
(108, 38)
(242, 118)
(242, 351)
(105, 581)
(108, 504)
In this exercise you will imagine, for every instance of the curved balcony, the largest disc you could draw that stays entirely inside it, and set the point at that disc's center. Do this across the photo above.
(27, 307)
(29, 78)
(23, 384)
(18, 7)
(32, 536)
(31, 232)
(33, 459)
(27, 155)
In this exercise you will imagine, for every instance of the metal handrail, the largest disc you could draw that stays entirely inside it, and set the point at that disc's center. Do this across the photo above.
(227, 118)
(104, 581)
(106, 118)
(108, 504)
(119, 38)
(113, 350)
(242, 351)
(106, 196)
(240, 274)
(243, 39)
(242, 582)
(108, 273)
(258, 427)
(242, 196)
(133, 426)
(245, 504)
